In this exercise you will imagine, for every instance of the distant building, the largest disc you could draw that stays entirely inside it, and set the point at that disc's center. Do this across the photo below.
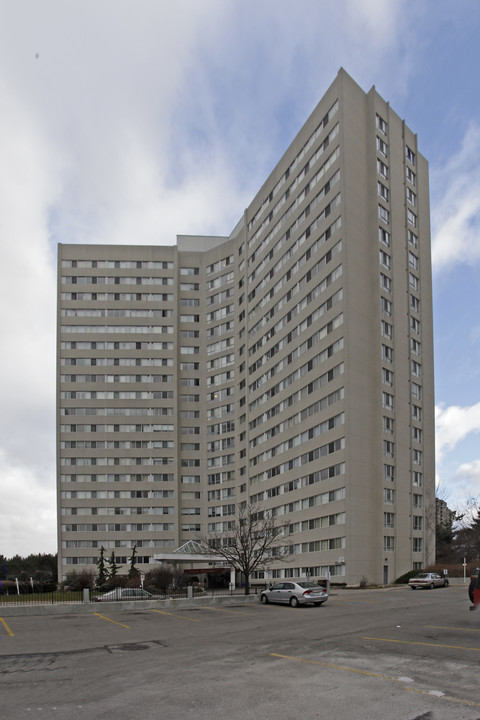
(288, 365)
(443, 516)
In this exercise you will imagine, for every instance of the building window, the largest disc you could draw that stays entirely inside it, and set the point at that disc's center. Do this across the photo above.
(410, 155)
(414, 303)
(189, 286)
(387, 353)
(388, 543)
(415, 325)
(417, 545)
(386, 306)
(385, 282)
(388, 448)
(389, 473)
(382, 169)
(417, 413)
(387, 401)
(411, 197)
(388, 520)
(383, 214)
(387, 329)
(384, 236)
(412, 238)
(388, 424)
(387, 377)
(384, 259)
(417, 457)
(415, 346)
(417, 501)
(416, 435)
(381, 124)
(416, 391)
(388, 496)
(411, 218)
(382, 190)
(412, 260)
(411, 177)
(417, 522)
(382, 146)
(416, 369)
(417, 478)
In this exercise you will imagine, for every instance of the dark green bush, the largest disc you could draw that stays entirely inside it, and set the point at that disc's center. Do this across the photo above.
(403, 579)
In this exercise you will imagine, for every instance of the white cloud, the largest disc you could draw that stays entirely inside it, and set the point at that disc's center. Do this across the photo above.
(28, 517)
(453, 424)
(29, 185)
(456, 212)
(467, 480)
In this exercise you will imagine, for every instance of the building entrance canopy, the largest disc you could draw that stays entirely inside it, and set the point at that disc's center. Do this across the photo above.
(193, 552)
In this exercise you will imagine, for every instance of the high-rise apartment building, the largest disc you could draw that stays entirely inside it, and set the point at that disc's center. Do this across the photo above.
(289, 365)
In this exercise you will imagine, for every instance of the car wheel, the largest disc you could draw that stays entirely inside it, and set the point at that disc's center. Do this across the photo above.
(414, 587)
(293, 601)
(431, 586)
(321, 603)
(445, 584)
(264, 599)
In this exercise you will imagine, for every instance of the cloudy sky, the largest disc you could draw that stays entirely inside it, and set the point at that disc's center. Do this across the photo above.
(127, 121)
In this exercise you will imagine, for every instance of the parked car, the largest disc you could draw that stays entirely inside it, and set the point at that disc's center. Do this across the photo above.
(473, 582)
(302, 592)
(428, 580)
(124, 594)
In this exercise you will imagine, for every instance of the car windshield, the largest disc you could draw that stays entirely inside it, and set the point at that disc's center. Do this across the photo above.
(422, 575)
(307, 584)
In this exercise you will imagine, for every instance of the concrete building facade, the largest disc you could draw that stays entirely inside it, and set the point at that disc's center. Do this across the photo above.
(443, 514)
(287, 366)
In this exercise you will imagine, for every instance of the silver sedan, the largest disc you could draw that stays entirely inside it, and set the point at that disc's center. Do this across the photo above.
(302, 592)
(124, 594)
(428, 580)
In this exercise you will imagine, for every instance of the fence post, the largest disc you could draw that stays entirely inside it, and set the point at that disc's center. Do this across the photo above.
(86, 596)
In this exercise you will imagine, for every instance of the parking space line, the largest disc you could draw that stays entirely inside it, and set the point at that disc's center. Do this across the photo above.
(231, 612)
(411, 642)
(460, 701)
(331, 665)
(182, 617)
(447, 627)
(9, 632)
(112, 621)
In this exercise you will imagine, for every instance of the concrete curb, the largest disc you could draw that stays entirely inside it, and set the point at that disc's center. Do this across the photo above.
(102, 607)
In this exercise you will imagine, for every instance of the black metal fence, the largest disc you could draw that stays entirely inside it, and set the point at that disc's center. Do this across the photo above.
(41, 598)
(77, 596)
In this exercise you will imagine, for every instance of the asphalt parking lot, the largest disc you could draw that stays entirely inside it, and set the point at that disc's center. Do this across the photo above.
(386, 654)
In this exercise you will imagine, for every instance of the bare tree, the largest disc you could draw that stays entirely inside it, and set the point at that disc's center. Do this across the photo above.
(471, 507)
(254, 542)
(160, 578)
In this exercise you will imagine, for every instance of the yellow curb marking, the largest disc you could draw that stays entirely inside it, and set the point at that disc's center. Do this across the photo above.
(6, 627)
(411, 642)
(182, 617)
(331, 665)
(112, 621)
(447, 627)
